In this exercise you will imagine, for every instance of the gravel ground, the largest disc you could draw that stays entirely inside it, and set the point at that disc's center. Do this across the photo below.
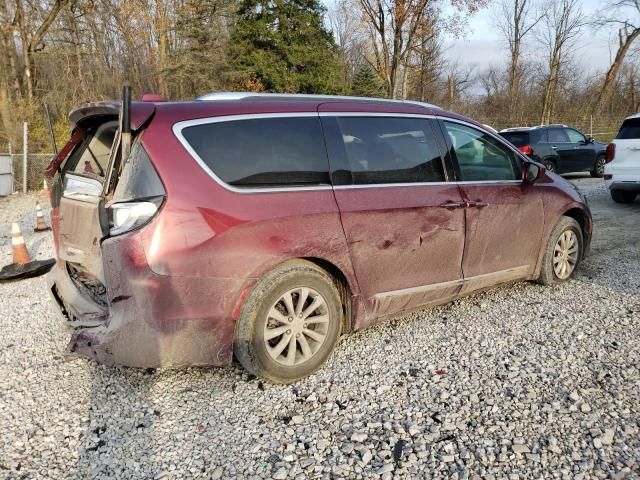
(519, 382)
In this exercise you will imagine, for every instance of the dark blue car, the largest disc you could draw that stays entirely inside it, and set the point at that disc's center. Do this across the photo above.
(559, 148)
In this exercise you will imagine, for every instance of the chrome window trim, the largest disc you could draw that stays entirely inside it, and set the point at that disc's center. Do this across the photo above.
(179, 126)
(426, 184)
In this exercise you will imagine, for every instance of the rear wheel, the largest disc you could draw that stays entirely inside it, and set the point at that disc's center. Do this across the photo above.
(289, 323)
(598, 168)
(549, 165)
(620, 196)
(563, 252)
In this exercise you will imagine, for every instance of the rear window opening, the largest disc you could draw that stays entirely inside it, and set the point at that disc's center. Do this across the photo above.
(262, 152)
(630, 129)
(519, 139)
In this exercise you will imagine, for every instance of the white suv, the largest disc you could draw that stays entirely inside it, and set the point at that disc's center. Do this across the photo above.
(622, 170)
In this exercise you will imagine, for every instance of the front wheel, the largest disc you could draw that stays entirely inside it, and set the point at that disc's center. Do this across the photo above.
(563, 252)
(598, 168)
(290, 323)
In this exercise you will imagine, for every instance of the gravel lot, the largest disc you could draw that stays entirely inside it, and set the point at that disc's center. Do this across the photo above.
(519, 382)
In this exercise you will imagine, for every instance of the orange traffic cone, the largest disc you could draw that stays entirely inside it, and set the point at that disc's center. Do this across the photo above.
(23, 266)
(20, 253)
(45, 189)
(41, 224)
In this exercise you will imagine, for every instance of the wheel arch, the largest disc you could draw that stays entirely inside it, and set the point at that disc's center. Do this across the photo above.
(344, 287)
(580, 216)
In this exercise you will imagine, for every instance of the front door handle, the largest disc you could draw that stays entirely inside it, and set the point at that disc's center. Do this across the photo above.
(554, 147)
(477, 204)
(451, 205)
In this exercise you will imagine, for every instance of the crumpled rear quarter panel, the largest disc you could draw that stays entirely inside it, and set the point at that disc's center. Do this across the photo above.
(159, 321)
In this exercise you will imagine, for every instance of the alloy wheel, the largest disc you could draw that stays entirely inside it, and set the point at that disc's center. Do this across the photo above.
(565, 254)
(297, 325)
(600, 166)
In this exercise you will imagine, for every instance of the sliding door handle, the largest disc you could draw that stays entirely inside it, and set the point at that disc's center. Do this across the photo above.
(450, 205)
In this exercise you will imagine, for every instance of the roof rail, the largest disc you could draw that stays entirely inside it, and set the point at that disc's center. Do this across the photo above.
(221, 96)
(513, 129)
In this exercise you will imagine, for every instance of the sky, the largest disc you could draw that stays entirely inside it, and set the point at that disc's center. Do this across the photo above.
(482, 45)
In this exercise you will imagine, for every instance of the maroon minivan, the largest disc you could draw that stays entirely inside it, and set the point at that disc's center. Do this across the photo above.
(265, 225)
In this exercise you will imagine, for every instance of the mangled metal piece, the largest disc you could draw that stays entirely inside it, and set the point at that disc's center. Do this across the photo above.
(19, 271)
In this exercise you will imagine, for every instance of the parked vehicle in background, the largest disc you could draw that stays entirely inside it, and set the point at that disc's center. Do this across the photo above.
(622, 170)
(264, 226)
(559, 148)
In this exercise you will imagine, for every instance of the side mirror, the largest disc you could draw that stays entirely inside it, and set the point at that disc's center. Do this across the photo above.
(590, 139)
(81, 188)
(532, 172)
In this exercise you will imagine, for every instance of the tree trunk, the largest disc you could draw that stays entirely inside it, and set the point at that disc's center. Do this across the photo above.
(626, 39)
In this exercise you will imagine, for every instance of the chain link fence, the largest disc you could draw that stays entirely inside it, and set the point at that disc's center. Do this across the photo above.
(36, 164)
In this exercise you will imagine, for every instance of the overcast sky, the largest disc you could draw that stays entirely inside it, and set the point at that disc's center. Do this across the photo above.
(482, 45)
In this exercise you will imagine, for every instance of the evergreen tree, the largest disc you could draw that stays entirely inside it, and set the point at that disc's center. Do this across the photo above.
(196, 66)
(282, 46)
(367, 83)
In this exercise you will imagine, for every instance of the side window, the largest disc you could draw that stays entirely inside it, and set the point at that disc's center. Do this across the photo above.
(574, 136)
(558, 135)
(95, 157)
(480, 156)
(391, 150)
(263, 151)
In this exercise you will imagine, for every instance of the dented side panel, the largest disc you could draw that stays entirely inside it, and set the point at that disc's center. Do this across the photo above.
(401, 237)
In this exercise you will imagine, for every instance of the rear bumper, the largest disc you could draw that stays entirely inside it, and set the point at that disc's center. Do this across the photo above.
(150, 320)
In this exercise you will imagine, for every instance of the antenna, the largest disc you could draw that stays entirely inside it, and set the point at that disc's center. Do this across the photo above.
(52, 134)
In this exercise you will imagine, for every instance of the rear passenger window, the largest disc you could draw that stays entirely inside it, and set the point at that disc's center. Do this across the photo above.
(558, 135)
(391, 150)
(263, 151)
(480, 156)
(629, 130)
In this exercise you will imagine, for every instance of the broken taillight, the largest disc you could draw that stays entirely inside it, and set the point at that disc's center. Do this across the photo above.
(139, 193)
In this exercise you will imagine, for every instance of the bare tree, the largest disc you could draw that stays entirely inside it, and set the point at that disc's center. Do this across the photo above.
(561, 26)
(459, 80)
(425, 61)
(517, 18)
(32, 32)
(345, 21)
(619, 14)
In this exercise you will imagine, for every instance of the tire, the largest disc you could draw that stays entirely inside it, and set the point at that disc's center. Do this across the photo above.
(620, 196)
(265, 312)
(550, 165)
(570, 229)
(598, 168)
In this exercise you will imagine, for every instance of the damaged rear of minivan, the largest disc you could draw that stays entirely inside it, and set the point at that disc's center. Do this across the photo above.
(104, 186)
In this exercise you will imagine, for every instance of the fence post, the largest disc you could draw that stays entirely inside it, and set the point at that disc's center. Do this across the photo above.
(591, 126)
(13, 180)
(25, 153)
